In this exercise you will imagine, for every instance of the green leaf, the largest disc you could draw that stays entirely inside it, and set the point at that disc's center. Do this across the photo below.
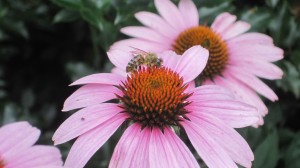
(292, 154)
(69, 4)
(272, 3)
(208, 14)
(65, 15)
(266, 154)
(291, 79)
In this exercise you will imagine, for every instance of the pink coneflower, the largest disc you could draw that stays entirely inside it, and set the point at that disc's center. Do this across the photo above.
(17, 149)
(236, 59)
(153, 99)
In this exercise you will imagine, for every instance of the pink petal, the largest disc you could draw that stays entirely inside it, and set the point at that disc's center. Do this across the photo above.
(87, 144)
(190, 87)
(234, 113)
(260, 68)
(119, 58)
(100, 78)
(160, 151)
(156, 23)
(234, 144)
(189, 12)
(170, 13)
(235, 29)
(119, 72)
(255, 52)
(210, 92)
(145, 33)
(243, 93)
(129, 44)
(90, 94)
(192, 62)
(16, 137)
(212, 153)
(128, 148)
(253, 82)
(252, 38)
(39, 155)
(84, 120)
(170, 59)
(222, 22)
(182, 152)
(141, 156)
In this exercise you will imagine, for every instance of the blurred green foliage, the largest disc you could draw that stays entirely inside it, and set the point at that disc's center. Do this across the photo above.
(45, 45)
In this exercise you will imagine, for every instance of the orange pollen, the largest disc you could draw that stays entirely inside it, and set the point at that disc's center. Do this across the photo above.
(1, 163)
(204, 36)
(154, 97)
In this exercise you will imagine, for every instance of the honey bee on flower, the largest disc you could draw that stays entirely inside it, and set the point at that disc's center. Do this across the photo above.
(143, 58)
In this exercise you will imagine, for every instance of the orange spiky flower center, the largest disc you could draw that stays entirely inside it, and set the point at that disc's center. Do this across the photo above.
(204, 36)
(154, 97)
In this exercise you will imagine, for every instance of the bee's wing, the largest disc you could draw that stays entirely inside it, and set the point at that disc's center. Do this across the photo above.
(137, 51)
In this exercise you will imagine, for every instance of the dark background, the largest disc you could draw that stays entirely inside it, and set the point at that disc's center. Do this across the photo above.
(45, 45)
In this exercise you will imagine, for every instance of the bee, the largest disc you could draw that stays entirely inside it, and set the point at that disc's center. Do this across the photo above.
(151, 60)
(134, 63)
(143, 58)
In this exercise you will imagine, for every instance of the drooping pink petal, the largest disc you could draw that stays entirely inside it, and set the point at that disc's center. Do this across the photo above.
(160, 151)
(252, 38)
(259, 68)
(16, 137)
(119, 58)
(84, 120)
(212, 153)
(234, 144)
(141, 156)
(145, 33)
(155, 22)
(235, 29)
(210, 92)
(38, 155)
(191, 63)
(255, 52)
(234, 113)
(253, 82)
(222, 22)
(189, 12)
(128, 146)
(90, 94)
(183, 154)
(101, 78)
(170, 13)
(88, 143)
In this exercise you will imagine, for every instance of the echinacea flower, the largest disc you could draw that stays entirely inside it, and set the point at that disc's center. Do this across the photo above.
(153, 99)
(17, 149)
(236, 59)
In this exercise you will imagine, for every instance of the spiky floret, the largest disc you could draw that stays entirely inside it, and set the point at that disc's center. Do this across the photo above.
(204, 36)
(154, 97)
